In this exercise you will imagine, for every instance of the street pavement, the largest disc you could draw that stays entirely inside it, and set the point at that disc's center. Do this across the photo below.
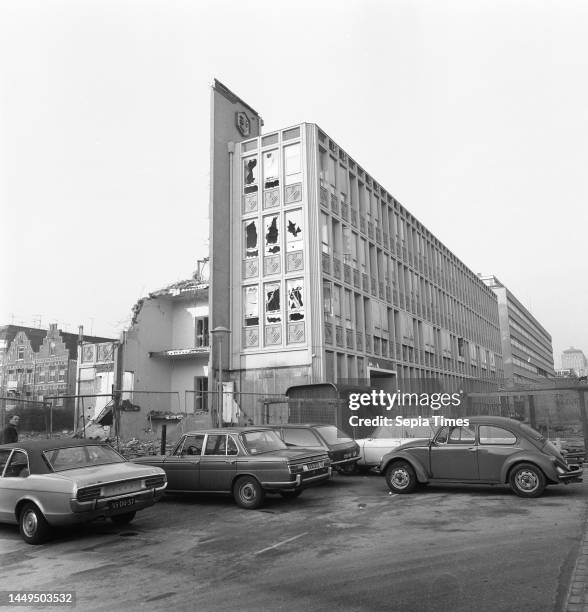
(348, 545)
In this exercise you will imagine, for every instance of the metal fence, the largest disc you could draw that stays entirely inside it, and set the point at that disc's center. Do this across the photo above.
(38, 419)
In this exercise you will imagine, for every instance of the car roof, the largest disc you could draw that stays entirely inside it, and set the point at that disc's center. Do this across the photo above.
(34, 449)
(225, 430)
(494, 420)
(293, 425)
(49, 443)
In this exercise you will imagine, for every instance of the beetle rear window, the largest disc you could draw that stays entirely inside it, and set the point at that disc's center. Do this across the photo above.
(73, 457)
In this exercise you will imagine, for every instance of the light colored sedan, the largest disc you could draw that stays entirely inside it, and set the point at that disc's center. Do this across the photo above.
(49, 483)
(385, 439)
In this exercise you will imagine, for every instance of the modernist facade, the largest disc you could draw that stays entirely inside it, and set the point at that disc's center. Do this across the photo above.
(574, 359)
(331, 278)
(527, 351)
(38, 363)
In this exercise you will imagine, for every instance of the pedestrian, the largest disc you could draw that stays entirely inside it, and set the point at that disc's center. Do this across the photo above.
(10, 434)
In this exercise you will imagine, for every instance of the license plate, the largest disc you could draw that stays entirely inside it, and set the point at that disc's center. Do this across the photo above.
(313, 466)
(121, 503)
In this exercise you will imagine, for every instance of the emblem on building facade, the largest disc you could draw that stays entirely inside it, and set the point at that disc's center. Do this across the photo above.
(243, 124)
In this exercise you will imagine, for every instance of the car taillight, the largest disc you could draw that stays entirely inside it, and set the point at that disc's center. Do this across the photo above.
(154, 482)
(88, 494)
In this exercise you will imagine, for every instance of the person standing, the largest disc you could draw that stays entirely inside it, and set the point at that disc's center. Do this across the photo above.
(9, 434)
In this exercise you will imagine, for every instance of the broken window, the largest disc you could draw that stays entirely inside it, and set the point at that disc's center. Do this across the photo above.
(251, 302)
(292, 164)
(295, 300)
(270, 169)
(202, 332)
(250, 174)
(272, 235)
(273, 312)
(251, 239)
(294, 234)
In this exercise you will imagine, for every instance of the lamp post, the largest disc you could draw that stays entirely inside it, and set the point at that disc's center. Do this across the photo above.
(220, 331)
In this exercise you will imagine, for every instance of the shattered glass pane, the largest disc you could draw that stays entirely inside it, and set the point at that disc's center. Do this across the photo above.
(250, 172)
(273, 312)
(294, 235)
(296, 300)
(251, 249)
(270, 169)
(251, 314)
(272, 235)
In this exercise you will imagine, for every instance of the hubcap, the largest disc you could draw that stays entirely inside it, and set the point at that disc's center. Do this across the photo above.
(400, 478)
(29, 523)
(248, 492)
(527, 480)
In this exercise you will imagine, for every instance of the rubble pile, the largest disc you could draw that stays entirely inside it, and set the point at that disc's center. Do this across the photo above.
(137, 448)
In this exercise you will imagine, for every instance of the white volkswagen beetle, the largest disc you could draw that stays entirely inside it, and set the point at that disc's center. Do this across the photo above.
(386, 438)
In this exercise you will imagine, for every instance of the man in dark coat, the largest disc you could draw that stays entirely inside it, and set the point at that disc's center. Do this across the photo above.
(10, 434)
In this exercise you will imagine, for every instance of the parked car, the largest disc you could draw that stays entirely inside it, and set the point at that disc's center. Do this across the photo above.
(385, 439)
(247, 462)
(48, 483)
(341, 449)
(489, 450)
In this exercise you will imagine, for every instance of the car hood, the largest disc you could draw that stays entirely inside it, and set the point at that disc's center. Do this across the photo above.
(415, 443)
(99, 474)
(551, 449)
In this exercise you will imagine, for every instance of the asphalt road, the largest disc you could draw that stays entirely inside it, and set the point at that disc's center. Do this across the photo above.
(347, 545)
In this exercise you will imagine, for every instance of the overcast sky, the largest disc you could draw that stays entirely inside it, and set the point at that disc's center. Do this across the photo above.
(474, 115)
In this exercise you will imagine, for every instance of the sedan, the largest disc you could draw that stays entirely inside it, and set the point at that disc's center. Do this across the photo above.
(342, 450)
(247, 462)
(385, 439)
(48, 483)
(480, 450)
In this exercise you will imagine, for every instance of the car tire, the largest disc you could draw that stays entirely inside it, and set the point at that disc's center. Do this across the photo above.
(291, 494)
(33, 526)
(527, 480)
(401, 477)
(123, 519)
(248, 493)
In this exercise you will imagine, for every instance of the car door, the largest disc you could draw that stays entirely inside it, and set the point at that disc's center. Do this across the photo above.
(13, 482)
(496, 444)
(453, 454)
(183, 465)
(218, 464)
(6, 510)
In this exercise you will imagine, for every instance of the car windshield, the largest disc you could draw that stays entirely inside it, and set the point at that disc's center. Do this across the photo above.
(264, 441)
(401, 431)
(332, 434)
(73, 457)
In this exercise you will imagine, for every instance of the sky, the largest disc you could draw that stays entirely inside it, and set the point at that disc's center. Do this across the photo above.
(473, 114)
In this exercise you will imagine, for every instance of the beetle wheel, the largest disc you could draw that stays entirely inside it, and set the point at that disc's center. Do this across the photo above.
(401, 477)
(527, 480)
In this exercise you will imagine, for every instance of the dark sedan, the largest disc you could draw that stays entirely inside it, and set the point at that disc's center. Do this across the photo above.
(342, 450)
(247, 462)
(482, 450)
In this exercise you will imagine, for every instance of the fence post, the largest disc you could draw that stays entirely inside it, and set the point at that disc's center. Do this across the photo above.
(532, 415)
